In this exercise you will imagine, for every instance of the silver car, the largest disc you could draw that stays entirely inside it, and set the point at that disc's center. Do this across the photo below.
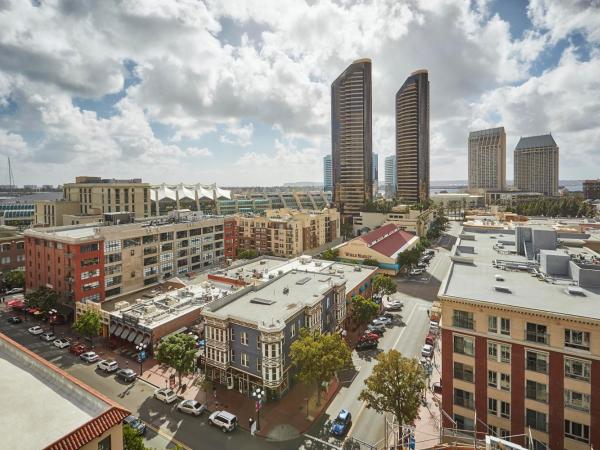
(191, 407)
(89, 357)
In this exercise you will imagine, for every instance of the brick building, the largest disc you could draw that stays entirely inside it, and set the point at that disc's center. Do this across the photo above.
(12, 251)
(230, 238)
(521, 339)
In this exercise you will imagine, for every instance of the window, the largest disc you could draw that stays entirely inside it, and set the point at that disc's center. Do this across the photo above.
(293, 330)
(504, 325)
(463, 372)
(536, 420)
(538, 445)
(492, 379)
(504, 433)
(577, 339)
(244, 360)
(258, 365)
(505, 409)
(493, 406)
(463, 398)
(577, 400)
(244, 338)
(536, 391)
(90, 286)
(578, 369)
(536, 361)
(166, 247)
(105, 443)
(87, 248)
(505, 382)
(463, 319)
(112, 246)
(89, 262)
(499, 352)
(5, 260)
(463, 423)
(90, 274)
(536, 333)
(577, 431)
(492, 324)
(464, 345)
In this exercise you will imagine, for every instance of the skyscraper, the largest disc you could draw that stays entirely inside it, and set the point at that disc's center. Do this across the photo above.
(487, 159)
(327, 178)
(375, 174)
(412, 138)
(390, 176)
(351, 140)
(536, 165)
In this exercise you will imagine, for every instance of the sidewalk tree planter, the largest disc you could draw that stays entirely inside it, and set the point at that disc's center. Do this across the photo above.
(132, 440)
(178, 352)
(382, 284)
(363, 310)
(395, 386)
(318, 357)
(88, 324)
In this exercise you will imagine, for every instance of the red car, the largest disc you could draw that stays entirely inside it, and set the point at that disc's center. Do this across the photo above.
(77, 348)
(367, 336)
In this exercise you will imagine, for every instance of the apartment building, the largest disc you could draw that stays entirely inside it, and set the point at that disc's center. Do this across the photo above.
(521, 338)
(249, 333)
(94, 262)
(487, 160)
(327, 176)
(536, 165)
(287, 233)
(405, 218)
(12, 250)
(50, 212)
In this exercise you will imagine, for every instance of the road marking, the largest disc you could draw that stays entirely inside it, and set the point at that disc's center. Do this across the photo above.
(167, 436)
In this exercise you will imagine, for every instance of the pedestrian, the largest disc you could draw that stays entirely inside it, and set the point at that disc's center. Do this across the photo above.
(427, 313)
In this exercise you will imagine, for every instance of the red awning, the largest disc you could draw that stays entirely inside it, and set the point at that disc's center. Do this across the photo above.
(16, 304)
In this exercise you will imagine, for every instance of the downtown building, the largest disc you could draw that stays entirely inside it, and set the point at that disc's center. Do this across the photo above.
(327, 173)
(521, 338)
(536, 165)
(487, 160)
(391, 179)
(412, 138)
(591, 189)
(96, 262)
(351, 138)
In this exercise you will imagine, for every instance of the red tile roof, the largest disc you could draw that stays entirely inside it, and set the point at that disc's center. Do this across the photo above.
(90, 430)
(377, 233)
(387, 239)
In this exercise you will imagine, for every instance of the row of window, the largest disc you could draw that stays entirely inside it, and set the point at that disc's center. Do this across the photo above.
(534, 332)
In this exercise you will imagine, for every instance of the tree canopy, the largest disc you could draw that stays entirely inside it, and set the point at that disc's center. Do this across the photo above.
(43, 298)
(395, 386)
(318, 357)
(247, 254)
(132, 440)
(382, 284)
(370, 262)
(438, 225)
(88, 324)
(331, 254)
(14, 279)
(179, 352)
(363, 309)
(568, 206)
(408, 258)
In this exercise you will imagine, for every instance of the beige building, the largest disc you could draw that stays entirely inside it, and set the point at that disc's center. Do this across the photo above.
(536, 165)
(487, 160)
(458, 199)
(50, 212)
(521, 338)
(402, 216)
(288, 233)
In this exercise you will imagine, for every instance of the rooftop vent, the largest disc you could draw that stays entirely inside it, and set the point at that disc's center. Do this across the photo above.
(303, 280)
(357, 268)
(262, 301)
(263, 262)
(502, 289)
(286, 290)
(499, 277)
(575, 290)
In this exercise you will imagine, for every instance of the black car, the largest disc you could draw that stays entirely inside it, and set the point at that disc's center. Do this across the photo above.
(126, 375)
(136, 424)
(15, 319)
(366, 345)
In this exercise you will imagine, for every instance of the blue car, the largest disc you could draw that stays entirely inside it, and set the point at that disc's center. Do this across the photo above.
(341, 424)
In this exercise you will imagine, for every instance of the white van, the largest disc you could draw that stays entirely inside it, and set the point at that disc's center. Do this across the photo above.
(224, 420)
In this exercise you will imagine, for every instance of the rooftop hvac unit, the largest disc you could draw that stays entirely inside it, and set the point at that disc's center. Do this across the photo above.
(286, 290)
(318, 263)
(575, 290)
(499, 277)
(263, 262)
(502, 289)
(357, 268)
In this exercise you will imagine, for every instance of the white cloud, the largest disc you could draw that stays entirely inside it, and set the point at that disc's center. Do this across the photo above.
(238, 135)
(560, 18)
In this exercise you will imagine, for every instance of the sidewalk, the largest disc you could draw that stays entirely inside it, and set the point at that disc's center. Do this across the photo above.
(427, 426)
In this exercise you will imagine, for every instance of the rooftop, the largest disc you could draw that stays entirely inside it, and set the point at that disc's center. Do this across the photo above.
(545, 140)
(477, 260)
(388, 240)
(72, 412)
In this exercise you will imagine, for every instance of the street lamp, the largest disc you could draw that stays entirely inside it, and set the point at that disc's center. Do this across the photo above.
(141, 348)
(52, 315)
(259, 395)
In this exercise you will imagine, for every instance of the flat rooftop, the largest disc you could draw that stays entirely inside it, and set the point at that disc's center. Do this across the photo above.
(476, 280)
(40, 405)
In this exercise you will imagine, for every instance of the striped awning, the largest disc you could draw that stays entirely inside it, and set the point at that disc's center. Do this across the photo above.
(112, 328)
(147, 339)
(139, 338)
(118, 331)
(132, 336)
(125, 332)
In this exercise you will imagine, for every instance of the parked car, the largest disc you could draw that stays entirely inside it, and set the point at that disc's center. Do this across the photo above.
(191, 407)
(15, 319)
(89, 357)
(378, 329)
(367, 344)
(108, 365)
(415, 272)
(224, 420)
(394, 305)
(341, 424)
(48, 336)
(434, 326)
(429, 251)
(427, 351)
(61, 343)
(421, 265)
(36, 330)
(165, 395)
(77, 348)
(383, 320)
(126, 375)
(430, 339)
(14, 291)
(136, 424)
(368, 336)
(437, 387)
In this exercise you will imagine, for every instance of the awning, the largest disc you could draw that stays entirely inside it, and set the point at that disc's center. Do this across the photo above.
(147, 339)
(125, 332)
(139, 338)
(113, 327)
(16, 304)
(132, 336)
(118, 330)
(37, 313)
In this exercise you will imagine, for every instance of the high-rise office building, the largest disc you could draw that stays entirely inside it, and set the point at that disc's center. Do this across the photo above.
(412, 138)
(487, 159)
(390, 176)
(327, 177)
(536, 165)
(351, 139)
(375, 173)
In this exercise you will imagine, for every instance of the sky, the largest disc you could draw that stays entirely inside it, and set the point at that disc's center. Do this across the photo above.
(237, 92)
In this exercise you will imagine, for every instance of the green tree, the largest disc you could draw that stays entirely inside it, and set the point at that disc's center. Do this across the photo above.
(132, 440)
(88, 324)
(14, 279)
(363, 309)
(318, 357)
(371, 262)
(346, 230)
(330, 254)
(408, 258)
(395, 386)
(43, 298)
(179, 352)
(382, 284)
(246, 254)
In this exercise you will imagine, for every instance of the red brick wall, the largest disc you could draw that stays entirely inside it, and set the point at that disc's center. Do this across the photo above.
(595, 406)
(517, 394)
(230, 238)
(12, 252)
(481, 383)
(226, 280)
(556, 400)
(447, 375)
(78, 283)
